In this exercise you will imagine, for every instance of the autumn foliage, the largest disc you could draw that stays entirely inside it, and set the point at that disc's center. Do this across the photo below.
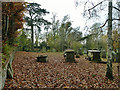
(56, 73)
(12, 19)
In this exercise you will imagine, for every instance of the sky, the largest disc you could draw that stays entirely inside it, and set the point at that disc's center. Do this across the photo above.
(62, 8)
(67, 7)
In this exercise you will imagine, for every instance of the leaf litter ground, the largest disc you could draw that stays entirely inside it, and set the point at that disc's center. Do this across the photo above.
(56, 73)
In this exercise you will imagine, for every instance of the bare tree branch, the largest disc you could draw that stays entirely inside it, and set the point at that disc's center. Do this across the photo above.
(104, 24)
(89, 10)
(116, 8)
(96, 5)
(84, 7)
(116, 19)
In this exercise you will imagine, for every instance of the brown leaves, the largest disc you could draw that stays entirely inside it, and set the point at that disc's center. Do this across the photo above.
(58, 74)
(12, 18)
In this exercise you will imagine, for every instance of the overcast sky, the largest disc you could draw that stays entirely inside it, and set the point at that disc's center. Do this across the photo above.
(64, 7)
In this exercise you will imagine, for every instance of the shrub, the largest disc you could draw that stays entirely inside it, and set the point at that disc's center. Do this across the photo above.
(43, 49)
(6, 50)
(53, 50)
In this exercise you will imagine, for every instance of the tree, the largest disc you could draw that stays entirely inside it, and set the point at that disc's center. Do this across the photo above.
(23, 42)
(73, 39)
(118, 33)
(103, 42)
(59, 33)
(65, 31)
(55, 25)
(34, 18)
(46, 28)
(12, 23)
(115, 40)
(109, 50)
(62, 34)
(92, 13)
(12, 19)
(119, 40)
(93, 40)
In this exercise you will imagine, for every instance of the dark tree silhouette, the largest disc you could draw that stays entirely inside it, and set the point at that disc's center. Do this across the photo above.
(35, 18)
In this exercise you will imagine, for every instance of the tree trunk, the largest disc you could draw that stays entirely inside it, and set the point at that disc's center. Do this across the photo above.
(1, 48)
(118, 34)
(3, 26)
(54, 39)
(11, 30)
(109, 48)
(32, 34)
(118, 46)
(6, 25)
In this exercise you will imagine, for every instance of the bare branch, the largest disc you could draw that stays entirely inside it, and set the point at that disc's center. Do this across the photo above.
(104, 24)
(89, 10)
(116, 8)
(116, 19)
(96, 5)
(84, 7)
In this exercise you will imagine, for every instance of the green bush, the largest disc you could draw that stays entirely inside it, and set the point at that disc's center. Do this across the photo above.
(53, 50)
(48, 51)
(43, 49)
(6, 50)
